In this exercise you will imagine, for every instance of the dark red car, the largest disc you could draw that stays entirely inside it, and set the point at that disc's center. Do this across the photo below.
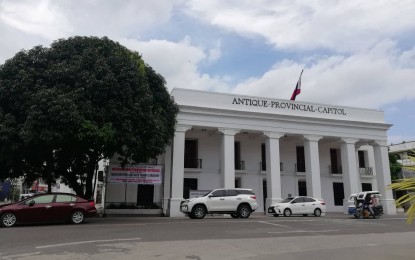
(47, 208)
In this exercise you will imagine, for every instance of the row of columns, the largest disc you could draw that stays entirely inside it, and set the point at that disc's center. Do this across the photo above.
(351, 177)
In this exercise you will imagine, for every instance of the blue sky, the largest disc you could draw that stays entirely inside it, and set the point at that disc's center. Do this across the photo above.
(353, 52)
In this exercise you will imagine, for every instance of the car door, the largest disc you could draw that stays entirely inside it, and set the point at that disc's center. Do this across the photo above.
(232, 200)
(310, 205)
(215, 200)
(36, 209)
(62, 207)
(297, 205)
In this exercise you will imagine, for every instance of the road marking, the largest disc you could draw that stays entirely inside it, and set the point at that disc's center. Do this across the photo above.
(91, 241)
(126, 224)
(303, 231)
(278, 225)
(19, 255)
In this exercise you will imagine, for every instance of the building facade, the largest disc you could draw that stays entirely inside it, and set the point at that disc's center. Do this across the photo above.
(278, 148)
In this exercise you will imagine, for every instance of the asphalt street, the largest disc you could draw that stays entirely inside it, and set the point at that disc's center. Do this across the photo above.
(335, 236)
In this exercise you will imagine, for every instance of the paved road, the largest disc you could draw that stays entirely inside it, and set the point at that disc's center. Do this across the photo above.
(335, 236)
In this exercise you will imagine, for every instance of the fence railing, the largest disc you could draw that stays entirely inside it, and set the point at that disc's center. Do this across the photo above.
(193, 163)
(335, 170)
(367, 171)
(240, 165)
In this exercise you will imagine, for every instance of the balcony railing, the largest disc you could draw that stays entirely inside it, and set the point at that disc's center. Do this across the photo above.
(335, 170)
(263, 167)
(193, 163)
(367, 171)
(299, 168)
(240, 166)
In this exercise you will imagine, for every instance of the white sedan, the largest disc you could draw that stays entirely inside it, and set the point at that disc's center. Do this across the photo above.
(300, 205)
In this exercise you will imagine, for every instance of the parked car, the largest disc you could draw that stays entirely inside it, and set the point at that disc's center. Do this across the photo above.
(47, 208)
(300, 205)
(239, 203)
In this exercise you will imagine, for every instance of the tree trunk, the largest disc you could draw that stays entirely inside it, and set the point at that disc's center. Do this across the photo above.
(92, 165)
(49, 187)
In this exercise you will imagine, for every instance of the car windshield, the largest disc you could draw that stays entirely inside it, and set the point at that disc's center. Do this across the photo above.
(286, 200)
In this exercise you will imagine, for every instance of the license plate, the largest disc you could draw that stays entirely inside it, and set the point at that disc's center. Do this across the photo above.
(270, 210)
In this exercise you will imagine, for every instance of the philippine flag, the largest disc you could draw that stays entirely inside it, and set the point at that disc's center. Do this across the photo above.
(297, 89)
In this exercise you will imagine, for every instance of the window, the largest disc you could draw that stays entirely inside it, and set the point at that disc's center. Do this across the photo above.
(263, 158)
(188, 185)
(300, 159)
(238, 182)
(218, 193)
(42, 199)
(338, 191)
(298, 200)
(302, 188)
(65, 198)
(334, 160)
(307, 199)
(366, 186)
(248, 192)
(229, 193)
(190, 153)
(361, 155)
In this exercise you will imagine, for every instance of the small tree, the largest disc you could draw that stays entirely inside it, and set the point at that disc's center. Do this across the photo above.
(407, 185)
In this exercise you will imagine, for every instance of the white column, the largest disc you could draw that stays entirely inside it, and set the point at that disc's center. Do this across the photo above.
(383, 176)
(272, 151)
(167, 179)
(228, 157)
(312, 164)
(177, 174)
(351, 177)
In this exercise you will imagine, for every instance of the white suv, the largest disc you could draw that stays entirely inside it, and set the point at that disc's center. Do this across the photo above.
(239, 203)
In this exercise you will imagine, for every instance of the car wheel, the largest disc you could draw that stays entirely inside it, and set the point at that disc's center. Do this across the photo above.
(77, 217)
(244, 211)
(198, 212)
(233, 215)
(287, 212)
(276, 215)
(191, 216)
(317, 212)
(8, 220)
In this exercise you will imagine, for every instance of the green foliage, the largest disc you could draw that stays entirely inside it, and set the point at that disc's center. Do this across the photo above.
(395, 166)
(407, 185)
(64, 108)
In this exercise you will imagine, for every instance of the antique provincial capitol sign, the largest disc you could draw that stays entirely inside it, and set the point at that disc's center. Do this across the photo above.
(288, 106)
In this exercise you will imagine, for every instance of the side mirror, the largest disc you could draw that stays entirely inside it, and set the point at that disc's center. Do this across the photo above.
(31, 203)
(293, 202)
(210, 196)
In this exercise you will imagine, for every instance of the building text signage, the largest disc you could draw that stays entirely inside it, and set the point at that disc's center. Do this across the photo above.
(141, 174)
(288, 106)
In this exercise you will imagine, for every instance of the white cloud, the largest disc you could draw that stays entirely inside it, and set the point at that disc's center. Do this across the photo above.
(371, 79)
(38, 18)
(298, 25)
(178, 63)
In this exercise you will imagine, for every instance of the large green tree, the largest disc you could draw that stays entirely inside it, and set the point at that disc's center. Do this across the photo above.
(65, 107)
